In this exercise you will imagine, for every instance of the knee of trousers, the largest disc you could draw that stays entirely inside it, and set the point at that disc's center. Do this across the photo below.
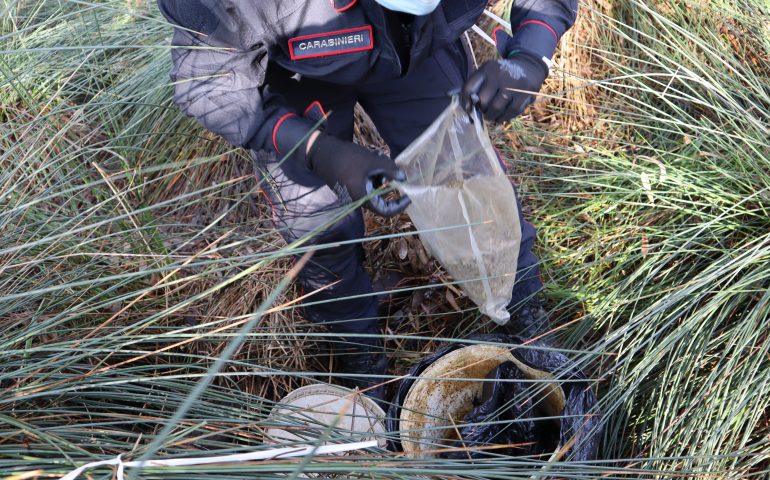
(335, 272)
(341, 292)
(304, 207)
(321, 228)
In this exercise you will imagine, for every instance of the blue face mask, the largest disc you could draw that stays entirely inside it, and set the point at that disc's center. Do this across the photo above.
(414, 7)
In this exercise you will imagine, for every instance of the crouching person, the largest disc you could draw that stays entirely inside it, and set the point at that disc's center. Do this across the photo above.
(262, 74)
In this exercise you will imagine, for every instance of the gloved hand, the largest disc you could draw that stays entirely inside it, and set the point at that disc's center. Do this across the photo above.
(357, 170)
(489, 86)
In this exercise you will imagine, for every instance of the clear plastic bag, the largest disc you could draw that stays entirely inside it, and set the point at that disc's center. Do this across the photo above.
(464, 207)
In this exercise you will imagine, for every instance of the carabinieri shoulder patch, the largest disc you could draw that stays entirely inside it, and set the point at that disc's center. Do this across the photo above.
(331, 43)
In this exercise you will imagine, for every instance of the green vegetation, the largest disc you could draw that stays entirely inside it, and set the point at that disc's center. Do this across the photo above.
(134, 248)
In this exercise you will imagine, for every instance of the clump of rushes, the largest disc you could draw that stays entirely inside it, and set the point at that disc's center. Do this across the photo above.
(133, 247)
(655, 227)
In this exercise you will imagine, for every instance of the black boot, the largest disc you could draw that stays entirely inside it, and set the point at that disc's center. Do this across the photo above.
(364, 368)
(530, 320)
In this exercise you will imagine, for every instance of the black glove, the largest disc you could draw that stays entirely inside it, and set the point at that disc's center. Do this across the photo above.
(489, 86)
(350, 169)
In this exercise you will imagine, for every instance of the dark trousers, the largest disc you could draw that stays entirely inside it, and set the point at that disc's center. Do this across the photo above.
(401, 109)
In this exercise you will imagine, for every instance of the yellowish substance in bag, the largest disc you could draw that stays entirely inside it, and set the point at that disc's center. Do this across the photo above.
(464, 208)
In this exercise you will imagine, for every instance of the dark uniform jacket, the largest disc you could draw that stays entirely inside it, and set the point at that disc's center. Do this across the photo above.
(224, 49)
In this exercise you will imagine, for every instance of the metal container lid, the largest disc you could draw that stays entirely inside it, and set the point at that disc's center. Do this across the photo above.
(336, 413)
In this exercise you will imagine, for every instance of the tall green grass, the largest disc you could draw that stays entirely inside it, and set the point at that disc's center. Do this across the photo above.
(658, 224)
(133, 247)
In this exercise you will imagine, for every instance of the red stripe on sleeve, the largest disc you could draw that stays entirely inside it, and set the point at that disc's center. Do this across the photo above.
(542, 24)
(278, 124)
(494, 33)
(316, 103)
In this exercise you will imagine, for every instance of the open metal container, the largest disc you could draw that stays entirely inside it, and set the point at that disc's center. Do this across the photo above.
(444, 388)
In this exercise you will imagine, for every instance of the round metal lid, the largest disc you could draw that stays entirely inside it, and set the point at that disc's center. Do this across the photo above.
(313, 411)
